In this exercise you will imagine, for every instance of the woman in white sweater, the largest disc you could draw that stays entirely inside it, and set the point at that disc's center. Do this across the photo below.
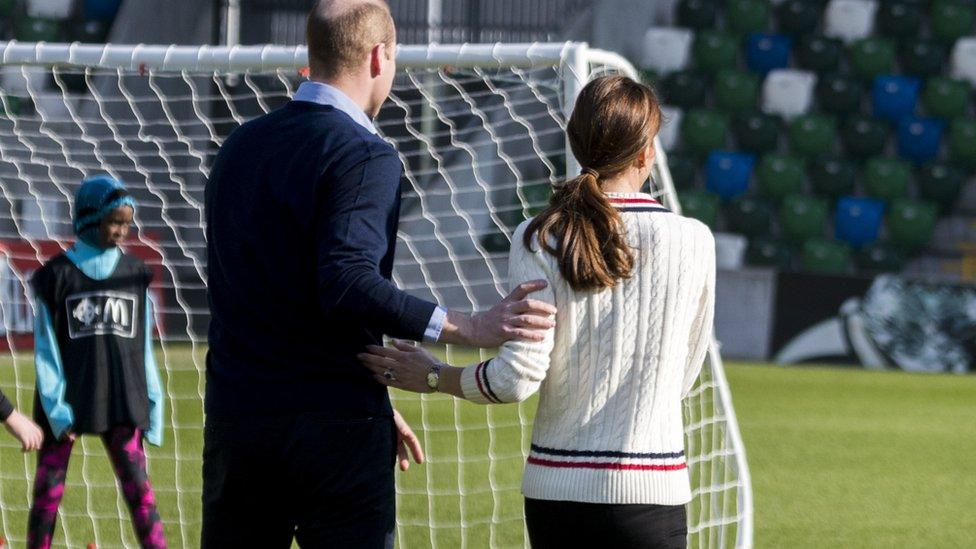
(633, 284)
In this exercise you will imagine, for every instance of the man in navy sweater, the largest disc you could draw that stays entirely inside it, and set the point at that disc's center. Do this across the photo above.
(302, 209)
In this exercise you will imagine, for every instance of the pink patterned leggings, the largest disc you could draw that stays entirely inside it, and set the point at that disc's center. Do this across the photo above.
(124, 445)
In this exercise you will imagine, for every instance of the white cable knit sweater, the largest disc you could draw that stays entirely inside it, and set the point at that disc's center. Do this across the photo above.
(612, 373)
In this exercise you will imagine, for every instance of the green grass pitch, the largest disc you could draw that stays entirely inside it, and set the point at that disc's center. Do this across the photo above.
(839, 458)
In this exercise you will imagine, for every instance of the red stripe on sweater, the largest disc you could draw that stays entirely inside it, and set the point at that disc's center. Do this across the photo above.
(602, 465)
(477, 377)
(634, 201)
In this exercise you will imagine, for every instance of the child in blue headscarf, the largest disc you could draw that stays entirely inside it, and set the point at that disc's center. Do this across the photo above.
(96, 373)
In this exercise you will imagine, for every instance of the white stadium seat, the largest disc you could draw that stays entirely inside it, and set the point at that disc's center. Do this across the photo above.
(963, 62)
(666, 49)
(788, 92)
(50, 9)
(670, 126)
(849, 20)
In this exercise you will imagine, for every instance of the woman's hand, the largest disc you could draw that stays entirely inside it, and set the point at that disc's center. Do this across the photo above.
(404, 367)
(406, 442)
(26, 431)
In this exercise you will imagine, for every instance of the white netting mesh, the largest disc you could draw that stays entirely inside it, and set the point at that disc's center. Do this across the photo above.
(481, 142)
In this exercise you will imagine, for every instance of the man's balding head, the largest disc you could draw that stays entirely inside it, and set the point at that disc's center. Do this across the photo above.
(342, 33)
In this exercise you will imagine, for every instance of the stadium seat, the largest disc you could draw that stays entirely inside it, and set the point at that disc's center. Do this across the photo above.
(895, 97)
(35, 29)
(849, 20)
(919, 138)
(714, 51)
(756, 132)
(922, 58)
(103, 10)
(685, 89)
(871, 57)
(765, 52)
(940, 183)
(879, 257)
(748, 215)
(747, 16)
(798, 17)
(764, 251)
(666, 49)
(802, 217)
(864, 136)
(858, 220)
(946, 98)
(7, 8)
(701, 205)
(58, 10)
(963, 62)
(951, 20)
(824, 256)
(910, 223)
(899, 20)
(779, 175)
(818, 53)
(962, 142)
(727, 173)
(839, 94)
(813, 135)
(887, 178)
(736, 91)
(89, 31)
(832, 177)
(670, 126)
(788, 93)
(684, 170)
(538, 196)
(697, 14)
(703, 131)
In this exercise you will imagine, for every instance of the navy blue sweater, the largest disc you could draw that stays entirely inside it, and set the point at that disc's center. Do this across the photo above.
(302, 209)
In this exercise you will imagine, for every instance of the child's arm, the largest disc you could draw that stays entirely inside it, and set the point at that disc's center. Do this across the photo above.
(155, 392)
(51, 383)
(20, 426)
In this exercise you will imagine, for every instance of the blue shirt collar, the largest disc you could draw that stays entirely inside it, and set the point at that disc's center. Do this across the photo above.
(324, 94)
(95, 262)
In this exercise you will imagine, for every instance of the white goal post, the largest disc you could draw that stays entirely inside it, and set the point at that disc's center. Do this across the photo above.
(480, 131)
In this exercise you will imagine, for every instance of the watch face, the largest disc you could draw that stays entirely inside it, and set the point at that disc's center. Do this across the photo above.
(432, 379)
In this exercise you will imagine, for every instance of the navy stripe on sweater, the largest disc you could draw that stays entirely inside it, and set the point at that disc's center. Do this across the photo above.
(605, 453)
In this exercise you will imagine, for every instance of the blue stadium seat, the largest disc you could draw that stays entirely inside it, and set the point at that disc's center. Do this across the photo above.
(103, 10)
(765, 52)
(858, 220)
(895, 96)
(919, 138)
(727, 173)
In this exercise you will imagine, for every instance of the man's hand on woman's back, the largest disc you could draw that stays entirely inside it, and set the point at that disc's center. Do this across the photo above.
(515, 317)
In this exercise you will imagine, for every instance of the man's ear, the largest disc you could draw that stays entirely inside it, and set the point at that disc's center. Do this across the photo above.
(376, 57)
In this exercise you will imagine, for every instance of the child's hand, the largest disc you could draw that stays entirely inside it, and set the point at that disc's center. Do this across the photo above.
(68, 436)
(25, 430)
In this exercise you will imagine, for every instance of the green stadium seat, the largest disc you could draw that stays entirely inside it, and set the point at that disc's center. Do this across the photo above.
(898, 20)
(940, 183)
(951, 20)
(684, 89)
(871, 57)
(887, 179)
(798, 17)
(824, 256)
(768, 252)
(802, 217)
(818, 53)
(946, 98)
(962, 142)
(684, 170)
(703, 131)
(714, 51)
(910, 223)
(779, 175)
(34, 29)
(879, 258)
(747, 16)
(756, 132)
(839, 94)
(7, 8)
(864, 136)
(812, 135)
(697, 14)
(748, 215)
(923, 59)
(833, 177)
(736, 91)
(91, 31)
(701, 205)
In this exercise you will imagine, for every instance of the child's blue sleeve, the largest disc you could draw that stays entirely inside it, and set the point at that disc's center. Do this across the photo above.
(155, 391)
(50, 372)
